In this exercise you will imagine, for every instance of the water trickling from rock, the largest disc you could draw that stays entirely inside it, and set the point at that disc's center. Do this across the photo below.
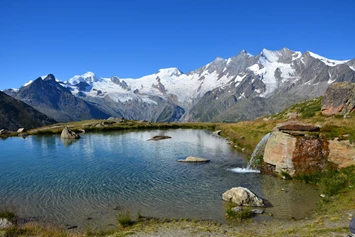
(262, 142)
(248, 169)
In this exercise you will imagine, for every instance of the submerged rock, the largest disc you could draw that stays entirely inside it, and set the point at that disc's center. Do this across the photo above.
(69, 134)
(242, 197)
(157, 138)
(193, 159)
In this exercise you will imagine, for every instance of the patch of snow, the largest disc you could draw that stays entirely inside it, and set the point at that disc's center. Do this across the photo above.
(267, 73)
(241, 96)
(43, 77)
(330, 81)
(121, 97)
(88, 77)
(229, 61)
(257, 91)
(254, 68)
(269, 55)
(329, 62)
(239, 78)
(28, 83)
(169, 72)
(352, 68)
(296, 55)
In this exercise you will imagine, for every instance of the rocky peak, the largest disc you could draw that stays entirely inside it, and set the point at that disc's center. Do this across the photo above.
(49, 77)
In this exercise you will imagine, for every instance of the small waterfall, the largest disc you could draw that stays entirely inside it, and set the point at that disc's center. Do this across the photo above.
(262, 142)
(251, 161)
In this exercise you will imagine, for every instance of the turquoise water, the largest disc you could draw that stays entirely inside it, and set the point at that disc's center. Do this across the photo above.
(88, 182)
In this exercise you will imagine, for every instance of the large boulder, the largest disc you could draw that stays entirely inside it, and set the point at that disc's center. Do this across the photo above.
(279, 151)
(242, 197)
(298, 152)
(339, 99)
(69, 134)
(291, 150)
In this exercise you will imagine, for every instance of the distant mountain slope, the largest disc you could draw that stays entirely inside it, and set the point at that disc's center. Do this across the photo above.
(241, 87)
(15, 114)
(56, 101)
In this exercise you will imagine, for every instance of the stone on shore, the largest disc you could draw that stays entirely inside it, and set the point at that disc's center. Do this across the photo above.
(21, 130)
(5, 223)
(69, 134)
(193, 159)
(242, 197)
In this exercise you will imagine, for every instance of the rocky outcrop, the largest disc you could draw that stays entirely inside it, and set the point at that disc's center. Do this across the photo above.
(302, 151)
(69, 134)
(339, 99)
(341, 153)
(193, 159)
(242, 197)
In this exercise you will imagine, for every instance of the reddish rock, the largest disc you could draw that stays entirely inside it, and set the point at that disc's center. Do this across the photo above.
(299, 127)
(339, 99)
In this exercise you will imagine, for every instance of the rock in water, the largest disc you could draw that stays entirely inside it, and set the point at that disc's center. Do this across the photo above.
(157, 138)
(69, 134)
(193, 159)
(242, 197)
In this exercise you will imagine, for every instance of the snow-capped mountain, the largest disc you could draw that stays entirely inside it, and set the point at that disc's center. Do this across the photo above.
(241, 87)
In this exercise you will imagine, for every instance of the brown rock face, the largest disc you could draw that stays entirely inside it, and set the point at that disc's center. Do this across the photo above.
(299, 127)
(310, 155)
(339, 99)
(289, 150)
(341, 153)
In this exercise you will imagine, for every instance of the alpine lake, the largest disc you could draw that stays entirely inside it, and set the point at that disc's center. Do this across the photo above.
(88, 182)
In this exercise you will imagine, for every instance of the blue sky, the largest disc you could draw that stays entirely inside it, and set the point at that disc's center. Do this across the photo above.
(133, 38)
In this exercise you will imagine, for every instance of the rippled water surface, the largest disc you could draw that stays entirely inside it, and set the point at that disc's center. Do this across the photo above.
(86, 183)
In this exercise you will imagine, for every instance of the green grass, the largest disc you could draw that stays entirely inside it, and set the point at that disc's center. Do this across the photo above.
(9, 215)
(331, 182)
(244, 214)
(124, 219)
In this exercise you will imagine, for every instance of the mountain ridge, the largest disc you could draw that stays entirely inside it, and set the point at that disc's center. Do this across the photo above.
(211, 91)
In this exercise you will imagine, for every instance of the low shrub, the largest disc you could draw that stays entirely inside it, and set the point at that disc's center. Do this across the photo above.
(124, 219)
(245, 213)
(9, 215)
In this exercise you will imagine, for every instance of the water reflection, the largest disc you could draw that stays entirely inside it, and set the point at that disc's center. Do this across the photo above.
(68, 142)
(289, 199)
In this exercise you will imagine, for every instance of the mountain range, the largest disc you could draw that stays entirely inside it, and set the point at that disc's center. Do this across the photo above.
(225, 90)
